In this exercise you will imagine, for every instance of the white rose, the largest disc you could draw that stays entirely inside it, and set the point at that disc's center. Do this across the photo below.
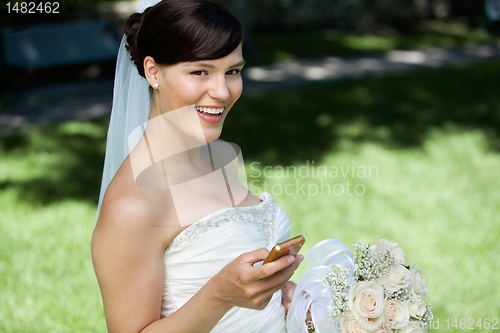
(418, 281)
(366, 301)
(394, 248)
(398, 277)
(417, 309)
(349, 324)
(396, 314)
(411, 327)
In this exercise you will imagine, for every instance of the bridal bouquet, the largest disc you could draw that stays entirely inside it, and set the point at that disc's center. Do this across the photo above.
(373, 291)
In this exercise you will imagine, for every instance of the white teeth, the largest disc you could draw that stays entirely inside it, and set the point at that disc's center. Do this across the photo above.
(210, 110)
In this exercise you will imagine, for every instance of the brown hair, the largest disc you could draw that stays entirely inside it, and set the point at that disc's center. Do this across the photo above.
(176, 31)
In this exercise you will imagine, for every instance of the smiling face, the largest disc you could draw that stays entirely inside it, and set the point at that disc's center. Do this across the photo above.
(207, 89)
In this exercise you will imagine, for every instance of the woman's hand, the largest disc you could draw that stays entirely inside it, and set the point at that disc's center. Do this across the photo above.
(287, 295)
(286, 301)
(241, 284)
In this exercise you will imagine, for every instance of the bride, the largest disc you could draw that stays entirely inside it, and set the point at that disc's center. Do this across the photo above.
(179, 238)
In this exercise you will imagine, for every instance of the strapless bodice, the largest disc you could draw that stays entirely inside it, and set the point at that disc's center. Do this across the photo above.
(205, 247)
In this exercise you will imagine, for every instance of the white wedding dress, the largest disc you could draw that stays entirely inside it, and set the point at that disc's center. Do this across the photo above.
(205, 247)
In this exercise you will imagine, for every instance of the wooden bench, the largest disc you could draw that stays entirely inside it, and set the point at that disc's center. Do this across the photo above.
(56, 44)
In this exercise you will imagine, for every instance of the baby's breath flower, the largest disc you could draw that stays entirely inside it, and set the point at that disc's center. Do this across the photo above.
(338, 284)
(403, 295)
(370, 266)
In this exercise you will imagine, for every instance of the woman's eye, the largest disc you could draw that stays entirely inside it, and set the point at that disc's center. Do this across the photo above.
(234, 71)
(202, 72)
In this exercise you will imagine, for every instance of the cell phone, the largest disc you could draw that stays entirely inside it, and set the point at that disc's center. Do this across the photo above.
(291, 246)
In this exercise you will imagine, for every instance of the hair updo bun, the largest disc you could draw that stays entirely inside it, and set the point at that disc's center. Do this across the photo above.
(131, 29)
(176, 31)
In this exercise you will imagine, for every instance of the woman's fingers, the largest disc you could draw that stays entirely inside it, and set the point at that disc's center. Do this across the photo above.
(241, 284)
(273, 267)
(254, 256)
(278, 280)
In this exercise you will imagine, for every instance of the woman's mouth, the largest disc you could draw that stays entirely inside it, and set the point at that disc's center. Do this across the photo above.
(210, 114)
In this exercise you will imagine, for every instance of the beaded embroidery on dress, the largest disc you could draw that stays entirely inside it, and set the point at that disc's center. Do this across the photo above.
(204, 248)
(262, 215)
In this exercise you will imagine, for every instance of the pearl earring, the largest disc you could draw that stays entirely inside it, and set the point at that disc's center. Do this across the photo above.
(155, 85)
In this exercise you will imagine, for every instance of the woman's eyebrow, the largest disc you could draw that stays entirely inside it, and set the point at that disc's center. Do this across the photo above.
(205, 64)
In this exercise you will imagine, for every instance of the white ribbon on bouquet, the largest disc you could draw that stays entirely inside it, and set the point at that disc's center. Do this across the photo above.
(312, 294)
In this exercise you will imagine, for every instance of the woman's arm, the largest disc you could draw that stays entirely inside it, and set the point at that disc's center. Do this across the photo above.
(127, 252)
(238, 284)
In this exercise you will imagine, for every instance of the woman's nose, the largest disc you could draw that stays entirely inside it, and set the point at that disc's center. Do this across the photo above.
(219, 90)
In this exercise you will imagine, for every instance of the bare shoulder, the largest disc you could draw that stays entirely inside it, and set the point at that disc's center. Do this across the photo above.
(127, 253)
(132, 216)
(123, 223)
(123, 207)
(126, 207)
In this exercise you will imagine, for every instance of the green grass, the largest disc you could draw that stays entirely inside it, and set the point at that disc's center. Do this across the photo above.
(431, 135)
(47, 212)
(340, 44)
(439, 202)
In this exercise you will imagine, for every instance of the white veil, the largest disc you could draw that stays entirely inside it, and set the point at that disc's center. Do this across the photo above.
(131, 105)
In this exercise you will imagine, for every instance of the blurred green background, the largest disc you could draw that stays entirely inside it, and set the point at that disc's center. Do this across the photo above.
(430, 138)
